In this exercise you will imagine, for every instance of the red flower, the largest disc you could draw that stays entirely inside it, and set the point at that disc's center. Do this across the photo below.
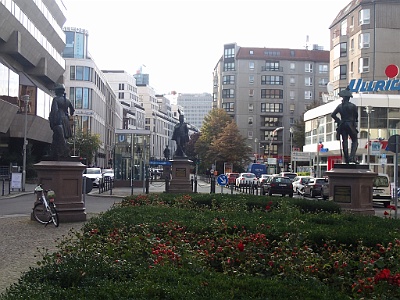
(240, 247)
(385, 213)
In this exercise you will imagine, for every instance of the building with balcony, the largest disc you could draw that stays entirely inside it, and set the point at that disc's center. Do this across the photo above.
(364, 55)
(31, 43)
(263, 89)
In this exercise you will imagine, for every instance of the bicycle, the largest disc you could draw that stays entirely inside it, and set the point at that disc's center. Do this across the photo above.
(44, 211)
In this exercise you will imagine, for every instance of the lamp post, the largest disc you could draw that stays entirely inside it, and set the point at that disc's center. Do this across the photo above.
(256, 149)
(283, 144)
(25, 98)
(318, 149)
(368, 110)
(291, 148)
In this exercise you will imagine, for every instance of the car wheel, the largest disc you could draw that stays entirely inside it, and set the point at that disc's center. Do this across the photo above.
(269, 193)
(312, 193)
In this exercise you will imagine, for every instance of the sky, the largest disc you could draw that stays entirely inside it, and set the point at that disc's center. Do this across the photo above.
(178, 43)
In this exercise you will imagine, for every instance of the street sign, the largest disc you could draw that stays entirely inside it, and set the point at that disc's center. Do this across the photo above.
(300, 156)
(222, 179)
(375, 148)
(271, 160)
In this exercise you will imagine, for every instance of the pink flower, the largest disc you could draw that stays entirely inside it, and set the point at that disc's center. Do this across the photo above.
(240, 247)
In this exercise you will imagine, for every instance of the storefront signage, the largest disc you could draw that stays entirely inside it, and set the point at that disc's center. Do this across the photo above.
(391, 71)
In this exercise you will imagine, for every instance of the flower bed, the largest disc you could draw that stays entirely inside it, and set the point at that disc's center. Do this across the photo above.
(221, 247)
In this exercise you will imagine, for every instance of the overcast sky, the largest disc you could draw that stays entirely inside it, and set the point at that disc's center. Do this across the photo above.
(179, 42)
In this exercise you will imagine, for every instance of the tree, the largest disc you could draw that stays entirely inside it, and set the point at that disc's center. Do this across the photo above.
(209, 145)
(86, 145)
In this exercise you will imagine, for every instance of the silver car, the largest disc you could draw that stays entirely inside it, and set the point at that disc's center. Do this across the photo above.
(299, 182)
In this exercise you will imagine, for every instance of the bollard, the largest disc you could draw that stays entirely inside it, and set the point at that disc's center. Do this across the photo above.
(147, 184)
(166, 184)
(212, 185)
(2, 191)
(231, 188)
(191, 183)
(195, 185)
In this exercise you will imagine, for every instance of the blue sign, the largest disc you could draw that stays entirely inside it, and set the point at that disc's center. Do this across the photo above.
(324, 150)
(222, 179)
(159, 163)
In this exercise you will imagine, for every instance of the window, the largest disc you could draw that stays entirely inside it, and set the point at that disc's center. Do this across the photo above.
(229, 66)
(351, 67)
(291, 95)
(292, 53)
(272, 107)
(352, 44)
(271, 94)
(343, 49)
(272, 66)
(364, 40)
(292, 66)
(292, 80)
(270, 79)
(229, 52)
(121, 86)
(251, 52)
(340, 72)
(228, 106)
(251, 92)
(271, 122)
(251, 79)
(291, 108)
(228, 79)
(307, 95)
(251, 65)
(228, 93)
(72, 72)
(250, 121)
(343, 28)
(79, 73)
(251, 107)
(121, 95)
(308, 81)
(363, 65)
(308, 68)
(364, 16)
(250, 135)
(323, 68)
(323, 81)
(352, 22)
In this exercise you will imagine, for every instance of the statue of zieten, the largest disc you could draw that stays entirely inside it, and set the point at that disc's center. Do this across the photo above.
(347, 125)
(59, 123)
(180, 136)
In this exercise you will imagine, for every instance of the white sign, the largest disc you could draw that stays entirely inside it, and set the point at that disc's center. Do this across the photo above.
(16, 180)
(300, 156)
(271, 160)
(375, 148)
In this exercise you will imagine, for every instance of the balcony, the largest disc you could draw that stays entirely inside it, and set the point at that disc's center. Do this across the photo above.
(271, 69)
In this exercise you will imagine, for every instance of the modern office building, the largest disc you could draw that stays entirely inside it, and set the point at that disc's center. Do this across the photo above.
(365, 55)
(266, 90)
(97, 110)
(196, 107)
(31, 43)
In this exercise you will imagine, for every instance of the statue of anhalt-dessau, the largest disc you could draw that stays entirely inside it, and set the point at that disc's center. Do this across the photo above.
(180, 136)
(59, 123)
(347, 125)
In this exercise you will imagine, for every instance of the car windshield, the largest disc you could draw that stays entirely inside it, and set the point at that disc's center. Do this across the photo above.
(321, 181)
(381, 181)
(282, 179)
(93, 171)
(108, 171)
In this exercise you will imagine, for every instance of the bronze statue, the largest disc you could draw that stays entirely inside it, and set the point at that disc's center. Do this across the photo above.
(347, 125)
(59, 123)
(166, 153)
(180, 136)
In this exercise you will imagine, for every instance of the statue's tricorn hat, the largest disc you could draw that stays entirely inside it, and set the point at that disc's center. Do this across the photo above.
(345, 93)
(59, 86)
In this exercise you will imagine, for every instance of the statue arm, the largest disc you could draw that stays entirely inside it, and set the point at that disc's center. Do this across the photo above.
(334, 115)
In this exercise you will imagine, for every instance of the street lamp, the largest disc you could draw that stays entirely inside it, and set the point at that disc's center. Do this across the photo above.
(318, 149)
(368, 110)
(256, 149)
(291, 146)
(25, 98)
(283, 144)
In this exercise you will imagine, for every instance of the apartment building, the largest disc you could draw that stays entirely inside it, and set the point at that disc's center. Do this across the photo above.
(265, 90)
(196, 107)
(97, 110)
(31, 43)
(365, 55)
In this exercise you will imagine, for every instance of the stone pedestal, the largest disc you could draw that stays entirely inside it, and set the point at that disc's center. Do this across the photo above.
(180, 171)
(351, 187)
(65, 179)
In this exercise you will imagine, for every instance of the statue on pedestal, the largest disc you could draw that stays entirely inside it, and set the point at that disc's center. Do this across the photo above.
(180, 136)
(61, 109)
(347, 125)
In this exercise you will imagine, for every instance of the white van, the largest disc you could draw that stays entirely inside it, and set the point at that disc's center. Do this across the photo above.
(381, 190)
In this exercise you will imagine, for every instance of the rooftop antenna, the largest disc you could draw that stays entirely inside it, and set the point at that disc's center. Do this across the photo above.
(307, 41)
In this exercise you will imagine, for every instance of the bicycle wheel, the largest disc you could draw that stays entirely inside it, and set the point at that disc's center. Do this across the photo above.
(40, 214)
(54, 215)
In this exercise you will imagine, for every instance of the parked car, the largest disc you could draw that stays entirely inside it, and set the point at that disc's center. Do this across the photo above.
(263, 178)
(313, 187)
(232, 177)
(299, 182)
(288, 174)
(246, 179)
(381, 190)
(277, 185)
(108, 173)
(94, 174)
(325, 191)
